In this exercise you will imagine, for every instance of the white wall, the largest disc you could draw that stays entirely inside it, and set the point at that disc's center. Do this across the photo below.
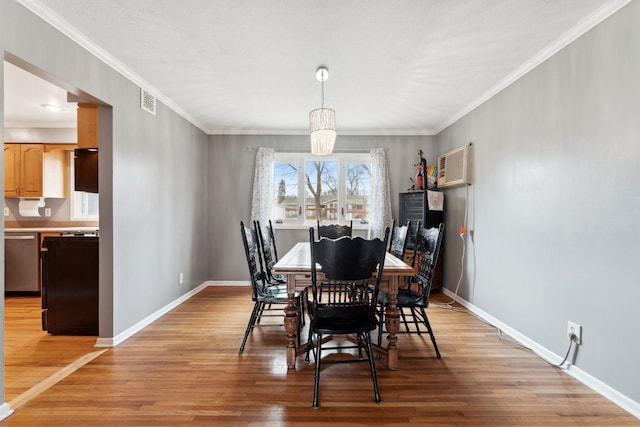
(555, 202)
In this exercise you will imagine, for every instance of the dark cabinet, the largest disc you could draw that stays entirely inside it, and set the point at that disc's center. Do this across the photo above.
(415, 206)
(70, 285)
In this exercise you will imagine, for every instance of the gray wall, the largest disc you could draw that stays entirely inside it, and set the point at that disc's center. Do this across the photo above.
(553, 206)
(231, 168)
(555, 202)
(153, 209)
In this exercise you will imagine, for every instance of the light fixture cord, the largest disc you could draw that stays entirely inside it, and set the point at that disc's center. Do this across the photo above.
(322, 104)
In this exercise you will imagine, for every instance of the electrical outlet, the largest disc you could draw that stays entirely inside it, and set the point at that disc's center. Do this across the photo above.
(6, 211)
(181, 278)
(47, 211)
(575, 330)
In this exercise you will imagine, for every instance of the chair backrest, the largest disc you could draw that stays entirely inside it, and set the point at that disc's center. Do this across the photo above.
(414, 238)
(257, 276)
(267, 247)
(428, 243)
(348, 265)
(334, 231)
(273, 240)
(398, 240)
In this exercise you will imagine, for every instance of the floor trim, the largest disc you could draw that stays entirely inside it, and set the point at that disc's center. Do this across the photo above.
(129, 332)
(593, 383)
(52, 380)
(5, 411)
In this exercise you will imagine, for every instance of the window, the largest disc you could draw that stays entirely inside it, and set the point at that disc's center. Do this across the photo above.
(83, 205)
(332, 189)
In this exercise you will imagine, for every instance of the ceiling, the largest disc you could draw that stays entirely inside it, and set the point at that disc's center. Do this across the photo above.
(404, 67)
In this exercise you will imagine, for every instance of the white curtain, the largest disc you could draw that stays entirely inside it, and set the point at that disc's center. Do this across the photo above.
(262, 201)
(380, 206)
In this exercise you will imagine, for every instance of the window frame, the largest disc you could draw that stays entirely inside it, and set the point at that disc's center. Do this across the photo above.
(301, 159)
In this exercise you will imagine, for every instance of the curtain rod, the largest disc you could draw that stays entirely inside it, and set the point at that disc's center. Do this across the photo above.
(339, 150)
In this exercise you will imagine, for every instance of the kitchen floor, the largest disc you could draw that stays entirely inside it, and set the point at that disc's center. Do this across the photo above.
(31, 354)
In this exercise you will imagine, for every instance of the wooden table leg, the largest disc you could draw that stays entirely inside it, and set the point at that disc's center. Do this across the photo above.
(291, 320)
(291, 326)
(392, 322)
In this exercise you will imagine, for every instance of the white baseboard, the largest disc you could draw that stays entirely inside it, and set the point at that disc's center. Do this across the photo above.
(5, 411)
(593, 383)
(228, 283)
(129, 332)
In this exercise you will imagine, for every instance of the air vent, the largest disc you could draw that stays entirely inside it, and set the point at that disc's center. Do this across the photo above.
(147, 102)
(453, 168)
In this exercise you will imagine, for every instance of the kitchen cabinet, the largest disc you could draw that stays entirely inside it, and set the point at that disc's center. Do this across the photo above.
(70, 278)
(34, 170)
(87, 125)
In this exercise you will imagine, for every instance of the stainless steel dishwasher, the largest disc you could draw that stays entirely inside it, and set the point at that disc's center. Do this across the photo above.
(21, 263)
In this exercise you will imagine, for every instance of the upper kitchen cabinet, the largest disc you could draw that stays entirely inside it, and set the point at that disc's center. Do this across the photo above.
(35, 170)
(87, 125)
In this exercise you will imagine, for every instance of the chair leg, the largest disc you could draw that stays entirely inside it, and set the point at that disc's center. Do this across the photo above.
(300, 322)
(309, 344)
(251, 324)
(415, 321)
(404, 319)
(260, 312)
(380, 323)
(428, 326)
(316, 383)
(372, 366)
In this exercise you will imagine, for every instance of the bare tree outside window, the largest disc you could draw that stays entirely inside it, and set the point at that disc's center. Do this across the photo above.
(321, 179)
(331, 190)
(286, 197)
(358, 189)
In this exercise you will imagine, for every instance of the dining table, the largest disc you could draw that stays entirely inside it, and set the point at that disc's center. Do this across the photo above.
(295, 265)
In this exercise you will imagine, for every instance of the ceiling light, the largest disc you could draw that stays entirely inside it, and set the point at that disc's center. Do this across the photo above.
(52, 107)
(322, 122)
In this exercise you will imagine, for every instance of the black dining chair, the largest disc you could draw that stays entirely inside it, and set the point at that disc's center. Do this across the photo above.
(334, 231)
(343, 297)
(267, 251)
(414, 295)
(266, 297)
(398, 240)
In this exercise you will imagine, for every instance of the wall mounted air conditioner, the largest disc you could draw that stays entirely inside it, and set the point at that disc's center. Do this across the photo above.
(453, 168)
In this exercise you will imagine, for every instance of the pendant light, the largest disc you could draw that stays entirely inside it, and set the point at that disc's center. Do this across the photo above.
(322, 122)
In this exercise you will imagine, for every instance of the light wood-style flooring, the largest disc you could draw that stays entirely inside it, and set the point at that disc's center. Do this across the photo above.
(185, 369)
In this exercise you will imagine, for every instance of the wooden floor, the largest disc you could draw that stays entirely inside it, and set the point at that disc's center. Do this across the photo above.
(185, 369)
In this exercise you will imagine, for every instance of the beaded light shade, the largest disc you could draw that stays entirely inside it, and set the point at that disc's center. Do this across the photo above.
(323, 131)
(322, 123)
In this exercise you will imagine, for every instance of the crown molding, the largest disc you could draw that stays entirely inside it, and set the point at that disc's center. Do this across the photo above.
(568, 37)
(289, 132)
